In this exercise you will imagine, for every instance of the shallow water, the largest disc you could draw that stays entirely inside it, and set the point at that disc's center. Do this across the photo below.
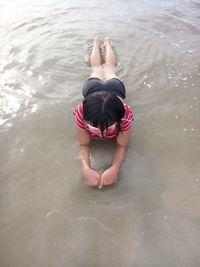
(48, 217)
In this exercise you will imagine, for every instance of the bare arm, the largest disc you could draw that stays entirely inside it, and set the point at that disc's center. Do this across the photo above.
(122, 143)
(84, 141)
(110, 175)
(92, 177)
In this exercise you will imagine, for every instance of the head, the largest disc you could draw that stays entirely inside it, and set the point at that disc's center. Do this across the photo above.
(103, 109)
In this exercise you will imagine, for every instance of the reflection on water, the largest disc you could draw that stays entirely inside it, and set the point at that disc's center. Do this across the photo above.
(47, 215)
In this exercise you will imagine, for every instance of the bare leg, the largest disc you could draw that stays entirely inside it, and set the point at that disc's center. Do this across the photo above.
(95, 60)
(95, 55)
(110, 60)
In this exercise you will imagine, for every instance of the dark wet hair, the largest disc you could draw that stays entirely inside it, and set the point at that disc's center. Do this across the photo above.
(103, 109)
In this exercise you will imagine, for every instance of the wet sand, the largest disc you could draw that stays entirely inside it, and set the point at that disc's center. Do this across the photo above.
(48, 217)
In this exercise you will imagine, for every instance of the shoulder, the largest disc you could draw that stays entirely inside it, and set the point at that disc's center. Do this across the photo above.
(128, 118)
(78, 108)
(128, 112)
(78, 114)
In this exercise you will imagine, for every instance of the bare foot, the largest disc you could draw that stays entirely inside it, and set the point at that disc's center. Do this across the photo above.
(107, 41)
(96, 41)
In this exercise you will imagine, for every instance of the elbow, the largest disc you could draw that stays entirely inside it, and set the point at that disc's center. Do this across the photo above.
(86, 144)
(122, 146)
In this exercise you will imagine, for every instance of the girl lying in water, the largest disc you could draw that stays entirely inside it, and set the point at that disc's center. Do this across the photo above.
(103, 114)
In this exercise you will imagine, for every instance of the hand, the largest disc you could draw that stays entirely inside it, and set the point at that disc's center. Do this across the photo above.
(109, 176)
(92, 177)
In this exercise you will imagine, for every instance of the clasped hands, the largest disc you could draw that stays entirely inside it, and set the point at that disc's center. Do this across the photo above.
(93, 178)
